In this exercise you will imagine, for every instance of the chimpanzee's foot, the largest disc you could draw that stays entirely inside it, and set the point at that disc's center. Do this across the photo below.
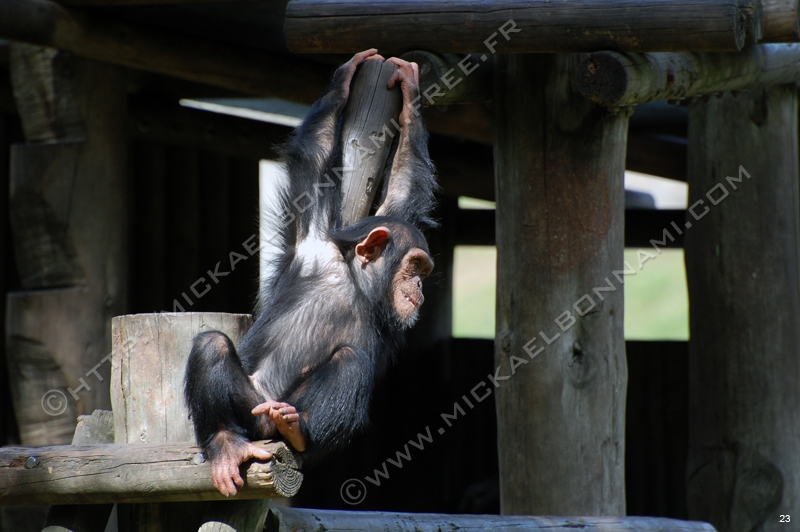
(229, 451)
(286, 420)
(407, 74)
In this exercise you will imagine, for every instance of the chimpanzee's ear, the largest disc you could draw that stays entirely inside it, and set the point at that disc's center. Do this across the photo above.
(371, 247)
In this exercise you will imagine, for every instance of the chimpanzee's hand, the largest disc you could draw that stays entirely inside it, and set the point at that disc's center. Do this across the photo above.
(407, 74)
(344, 74)
(286, 420)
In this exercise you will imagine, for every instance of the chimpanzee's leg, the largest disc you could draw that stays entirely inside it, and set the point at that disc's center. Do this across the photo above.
(220, 397)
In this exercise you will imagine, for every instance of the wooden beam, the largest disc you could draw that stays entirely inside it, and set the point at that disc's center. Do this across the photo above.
(656, 154)
(244, 70)
(447, 79)
(617, 79)
(743, 274)
(121, 3)
(781, 20)
(476, 227)
(159, 120)
(291, 519)
(136, 473)
(473, 26)
(553, 149)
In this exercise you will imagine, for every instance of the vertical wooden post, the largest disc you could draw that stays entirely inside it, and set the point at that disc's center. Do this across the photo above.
(559, 350)
(67, 213)
(743, 275)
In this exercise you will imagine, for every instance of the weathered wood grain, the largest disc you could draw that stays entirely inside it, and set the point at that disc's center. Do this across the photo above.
(140, 473)
(250, 71)
(781, 20)
(98, 428)
(292, 519)
(466, 26)
(617, 79)
(68, 220)
(370, 126)
(446, 79)
(149, 357)
(44, 94)
(743, 273)
(559, 164)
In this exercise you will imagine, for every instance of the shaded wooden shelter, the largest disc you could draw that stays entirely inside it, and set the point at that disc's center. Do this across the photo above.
(119, 200)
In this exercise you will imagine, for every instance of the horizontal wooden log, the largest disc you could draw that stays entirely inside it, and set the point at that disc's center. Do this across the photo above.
(164, 121)
(118, 3)
(476, 26)
(781, 22)
(249, 71)
(136, 473)
(656, 154)
(445, 79)
(475, 227)
(291, 519)
(617, 79)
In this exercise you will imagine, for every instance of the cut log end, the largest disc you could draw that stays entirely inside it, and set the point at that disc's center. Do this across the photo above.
(604, 77)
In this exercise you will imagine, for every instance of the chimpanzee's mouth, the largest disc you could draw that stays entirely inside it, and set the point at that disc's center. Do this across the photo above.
(411, 300)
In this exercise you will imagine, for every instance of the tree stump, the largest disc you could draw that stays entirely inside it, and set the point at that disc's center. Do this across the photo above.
(149, 357)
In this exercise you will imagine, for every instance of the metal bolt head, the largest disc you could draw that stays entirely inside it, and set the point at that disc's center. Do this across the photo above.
(198, 458)
(31, 462)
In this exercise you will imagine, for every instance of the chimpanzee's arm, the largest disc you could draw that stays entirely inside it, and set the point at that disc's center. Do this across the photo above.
(333, 401)
(309, 151)
(410, 190)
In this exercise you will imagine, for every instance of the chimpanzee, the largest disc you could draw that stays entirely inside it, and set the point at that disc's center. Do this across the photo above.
(334, 310)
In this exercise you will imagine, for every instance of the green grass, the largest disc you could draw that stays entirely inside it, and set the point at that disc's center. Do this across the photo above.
(656, 301)
(474, 281)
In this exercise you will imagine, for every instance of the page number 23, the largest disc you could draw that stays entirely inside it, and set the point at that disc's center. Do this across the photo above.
(785, 518)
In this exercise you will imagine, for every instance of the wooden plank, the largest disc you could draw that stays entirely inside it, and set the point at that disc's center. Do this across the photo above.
(48, 110)
(67, 210)
(656, 432)
(182, 225)
(147, 245)
(553, 150)
(369, 128)
(290, 519)
(474, 26)
(618, 79)
(781, 20)
(140, 473)
(241, 69)
(743, 273)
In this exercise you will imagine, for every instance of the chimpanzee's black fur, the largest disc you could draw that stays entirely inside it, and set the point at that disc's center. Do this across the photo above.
(327, 328)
